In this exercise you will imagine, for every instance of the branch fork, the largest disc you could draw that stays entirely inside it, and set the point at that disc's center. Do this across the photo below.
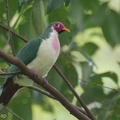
(39, 80)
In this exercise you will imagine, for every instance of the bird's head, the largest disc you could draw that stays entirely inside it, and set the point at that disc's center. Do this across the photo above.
(59, 27)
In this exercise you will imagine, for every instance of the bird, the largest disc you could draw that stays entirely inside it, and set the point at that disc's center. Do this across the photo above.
(39, 55)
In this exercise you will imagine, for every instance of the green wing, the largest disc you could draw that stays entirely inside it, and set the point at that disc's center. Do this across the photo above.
(27, 53)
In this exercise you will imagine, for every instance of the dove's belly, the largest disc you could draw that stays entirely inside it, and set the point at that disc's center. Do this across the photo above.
(45, 59)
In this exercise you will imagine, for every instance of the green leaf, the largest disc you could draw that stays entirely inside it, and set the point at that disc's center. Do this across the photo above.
(78, 19)
(111, 28)
(12, 8)
(24, 4)
(100, 15)
(87, 70)
(56, 15)
(3, 38)
(89, 5)
(111, 75)
(91, 94)
(90, 48)
(67, 2)
(2, 10)
(22, 102)
(26, 28)
(38, 17)
(18, 43)
(118, 63)
(86, 55)
(53, 4)
(113, 106)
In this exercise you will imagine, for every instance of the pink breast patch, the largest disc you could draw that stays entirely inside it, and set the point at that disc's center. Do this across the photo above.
(56, 44)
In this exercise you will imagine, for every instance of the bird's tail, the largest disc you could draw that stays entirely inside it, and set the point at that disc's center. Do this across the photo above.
(8, 90)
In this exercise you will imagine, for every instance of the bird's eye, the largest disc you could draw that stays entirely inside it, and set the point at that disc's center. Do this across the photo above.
(57, 25)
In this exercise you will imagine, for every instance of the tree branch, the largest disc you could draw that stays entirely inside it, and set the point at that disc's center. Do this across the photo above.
(2, 77)
(75, 93)
(12, 73)
(117, 90)
(6, 28)
(41, 91)
(26, 71)
(51, 96)
(64, 78)
(8, 22)
(14, 114)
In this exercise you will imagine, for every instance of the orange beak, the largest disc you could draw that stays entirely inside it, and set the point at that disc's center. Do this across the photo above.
(66, 29)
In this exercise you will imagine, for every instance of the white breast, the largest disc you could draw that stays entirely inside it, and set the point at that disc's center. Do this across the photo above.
(46, 56)
(45, 59)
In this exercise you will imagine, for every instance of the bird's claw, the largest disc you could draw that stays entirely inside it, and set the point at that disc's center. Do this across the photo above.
(35, 75)
(45, 82)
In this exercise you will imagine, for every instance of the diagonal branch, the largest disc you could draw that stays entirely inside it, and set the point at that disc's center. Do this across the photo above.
(26, 71)
(64, 78)
(19, 36)
(14, 114)
(75, 93)
(51, 96)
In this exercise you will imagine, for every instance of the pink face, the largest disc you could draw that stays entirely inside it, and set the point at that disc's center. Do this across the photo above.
(59, 27)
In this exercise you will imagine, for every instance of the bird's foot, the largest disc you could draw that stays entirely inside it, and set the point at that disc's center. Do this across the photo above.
(45, 82)
(35, 75)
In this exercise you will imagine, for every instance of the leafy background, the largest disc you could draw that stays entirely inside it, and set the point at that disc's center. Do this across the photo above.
(90, 55)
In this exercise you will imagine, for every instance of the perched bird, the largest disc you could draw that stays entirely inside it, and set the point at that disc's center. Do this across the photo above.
(39, 55)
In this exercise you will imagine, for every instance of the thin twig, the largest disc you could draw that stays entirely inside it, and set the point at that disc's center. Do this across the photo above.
(40, 81)
(6, 28)
(11, 73)
(8, 22)
(20, 14)
(41, 91)
(2, 77)
(14, 114)
(51, 96)
(1, 72)
(75, 93)
(78, 96)
(111, 105)
(100, 85)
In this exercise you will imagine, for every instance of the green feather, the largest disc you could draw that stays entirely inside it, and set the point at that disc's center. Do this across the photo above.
(26, 54)
(29, 50)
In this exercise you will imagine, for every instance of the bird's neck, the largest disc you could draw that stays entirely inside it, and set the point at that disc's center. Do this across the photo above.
(46, 33)
(52, 37)
(55, 41)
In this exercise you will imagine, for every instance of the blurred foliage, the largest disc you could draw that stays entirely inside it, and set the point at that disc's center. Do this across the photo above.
(90, 52)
